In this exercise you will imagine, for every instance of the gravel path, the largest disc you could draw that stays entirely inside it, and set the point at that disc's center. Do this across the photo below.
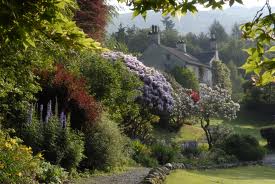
(134, 176)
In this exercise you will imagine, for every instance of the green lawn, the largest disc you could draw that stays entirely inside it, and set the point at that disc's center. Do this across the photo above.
(195, 132)
(241, 175)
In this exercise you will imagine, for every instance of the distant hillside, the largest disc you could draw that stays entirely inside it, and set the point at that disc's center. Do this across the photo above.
(197, 23)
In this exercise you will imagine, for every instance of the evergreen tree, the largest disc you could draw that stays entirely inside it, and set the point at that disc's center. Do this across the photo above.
(219, 31)
(221, 76)
(168, 23)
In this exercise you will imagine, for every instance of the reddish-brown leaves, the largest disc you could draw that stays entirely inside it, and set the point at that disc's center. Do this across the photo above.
(92, 17)
(77, 91)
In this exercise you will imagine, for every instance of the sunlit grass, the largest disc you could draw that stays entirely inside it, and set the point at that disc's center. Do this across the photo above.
(241, 175)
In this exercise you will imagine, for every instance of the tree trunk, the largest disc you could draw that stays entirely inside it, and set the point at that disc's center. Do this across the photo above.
(205, 128)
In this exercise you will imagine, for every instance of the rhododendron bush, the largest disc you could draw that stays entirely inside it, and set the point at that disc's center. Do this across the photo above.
(217, 103)
(206, 104)
(157, 92)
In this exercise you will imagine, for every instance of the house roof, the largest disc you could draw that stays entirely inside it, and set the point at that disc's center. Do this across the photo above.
(202, 60)
(205, 57)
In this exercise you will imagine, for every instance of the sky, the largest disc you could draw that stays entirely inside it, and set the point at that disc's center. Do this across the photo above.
(122, 8)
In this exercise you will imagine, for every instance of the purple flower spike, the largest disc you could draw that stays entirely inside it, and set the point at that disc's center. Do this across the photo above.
(41, 112)
(49, 111)
(63, 119)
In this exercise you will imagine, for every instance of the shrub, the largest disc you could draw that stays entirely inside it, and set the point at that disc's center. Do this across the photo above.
(221, 76)
(117, 88)
(17, 164)
(244, 147)
(72, 96)
(59, 144)
(185, 77)
(219, 156)
(220, 133)
(269, 135)
(52, 174)
(143, 154)
(105, 146)
(164, 153)
(156, 92)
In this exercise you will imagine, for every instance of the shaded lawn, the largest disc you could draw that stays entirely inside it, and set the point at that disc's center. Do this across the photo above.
(248, 125)
(186, 133)
(241, 175)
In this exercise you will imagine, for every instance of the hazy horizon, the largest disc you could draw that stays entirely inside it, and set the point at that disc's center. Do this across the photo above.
(122, 8)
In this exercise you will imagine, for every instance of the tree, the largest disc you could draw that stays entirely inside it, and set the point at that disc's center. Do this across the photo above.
(214, 103)
(237, 81)
(138, 42)
(31, 32)
(185, 77)
(233, 50)
(236, 31)
(92, 17)
(168, 23)
(218, 30)
(121, 35)
(260, 29)
(221, 76)
(169, 37)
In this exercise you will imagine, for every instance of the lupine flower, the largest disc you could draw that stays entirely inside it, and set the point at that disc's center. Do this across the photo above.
(41, 112)
(63, 119)
(49, 111)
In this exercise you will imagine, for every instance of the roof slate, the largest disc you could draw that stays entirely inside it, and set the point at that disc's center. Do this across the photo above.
(201, 59)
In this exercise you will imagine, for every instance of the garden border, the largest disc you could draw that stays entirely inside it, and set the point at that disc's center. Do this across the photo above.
(158, 175)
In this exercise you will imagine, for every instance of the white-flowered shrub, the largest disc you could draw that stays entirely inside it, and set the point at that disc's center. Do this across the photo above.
(217, 102)
(156, 92)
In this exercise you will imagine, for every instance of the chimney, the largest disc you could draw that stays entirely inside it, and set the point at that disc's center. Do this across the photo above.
(181, 45)
(155, 34)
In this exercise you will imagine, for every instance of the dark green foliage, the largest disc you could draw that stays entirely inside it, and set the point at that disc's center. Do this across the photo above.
(219, 156)
(111, 83)
(255, 95)
(185, 77)
(169, 37)
(164, 153)
(30, 30)
(59, 145)
(168, 23)
(142, 154)
(117, 88)
(105, 146)
(237, 80)
(219, 133)
(269, 135)
(52, 174)
(221, 76)
(191, 152)
(244, 147)
(218, 30)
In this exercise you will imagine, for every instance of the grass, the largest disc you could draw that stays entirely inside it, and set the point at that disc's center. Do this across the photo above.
(195, 132)
(240, 175)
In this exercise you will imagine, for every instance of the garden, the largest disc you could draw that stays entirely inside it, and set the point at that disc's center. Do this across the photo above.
(73, 107)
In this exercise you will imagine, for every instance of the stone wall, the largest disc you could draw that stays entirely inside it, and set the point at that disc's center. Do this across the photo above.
(158, 175)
